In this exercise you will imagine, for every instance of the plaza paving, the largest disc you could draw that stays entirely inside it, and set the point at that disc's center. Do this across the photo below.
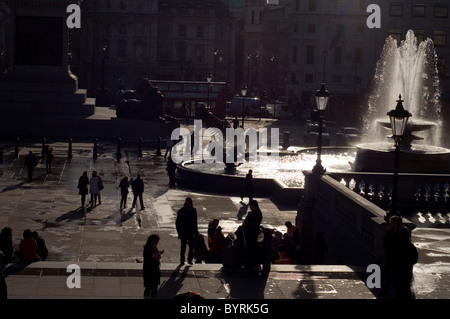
(107, 243)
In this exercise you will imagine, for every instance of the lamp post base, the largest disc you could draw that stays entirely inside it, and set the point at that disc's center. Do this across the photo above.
(319, 169)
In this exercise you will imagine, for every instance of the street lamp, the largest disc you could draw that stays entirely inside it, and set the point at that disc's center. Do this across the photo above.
(399, 118)
(216, 52)
(209, 78)
(104, 55)
(243, 93)
(322, 97)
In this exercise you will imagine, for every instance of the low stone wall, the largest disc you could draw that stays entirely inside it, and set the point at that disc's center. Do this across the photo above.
(231, 184)
(353, 227)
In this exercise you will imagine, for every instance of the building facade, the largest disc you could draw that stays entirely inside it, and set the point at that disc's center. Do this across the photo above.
(285, 47)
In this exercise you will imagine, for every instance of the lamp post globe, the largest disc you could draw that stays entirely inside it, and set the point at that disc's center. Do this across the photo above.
(322, 97)
(243, 94)
(399, 118)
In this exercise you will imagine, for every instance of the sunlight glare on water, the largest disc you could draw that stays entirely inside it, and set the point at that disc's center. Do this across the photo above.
(287, 169)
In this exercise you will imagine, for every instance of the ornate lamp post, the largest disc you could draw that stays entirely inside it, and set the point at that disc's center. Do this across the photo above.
(209, 78)
(399, 118)
(243, 93)
(322, 97)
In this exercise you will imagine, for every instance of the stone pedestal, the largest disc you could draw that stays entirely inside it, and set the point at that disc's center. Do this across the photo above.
(37, 78)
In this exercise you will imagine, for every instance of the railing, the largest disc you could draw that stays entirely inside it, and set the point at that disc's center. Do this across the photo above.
(416, 192)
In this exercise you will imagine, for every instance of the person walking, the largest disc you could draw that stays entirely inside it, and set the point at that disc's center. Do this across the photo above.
(30, 163)
(151, 267)
(124, 185)
(168, 146)
(187, 228)
(100, 187)
(94, 189)
(83, 190)
(248, 186)
(137, 186)
(48, 160)
(171, 170)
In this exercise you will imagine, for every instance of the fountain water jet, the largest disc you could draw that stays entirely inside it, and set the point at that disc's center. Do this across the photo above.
(408, 69)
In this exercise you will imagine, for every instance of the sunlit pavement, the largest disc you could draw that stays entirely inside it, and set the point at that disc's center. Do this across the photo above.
(107, 244)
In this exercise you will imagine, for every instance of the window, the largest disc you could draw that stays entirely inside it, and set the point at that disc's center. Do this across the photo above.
(294, 54)
(441, 66)
(439, 38)
(293, 77)
(396, 34)
(310, 54)
(338, 55)
(199, 31)
(312, 5)
(140, 30)
(181, 53)
(396, 10)
(311, 28)
(122, 29)
(182, 30)
(420, 35)
(295, 27)
(337, 78)
(121, 50)
(441, 11)
(297, 5)
(139, 50)
(418, 10)
(309, 78)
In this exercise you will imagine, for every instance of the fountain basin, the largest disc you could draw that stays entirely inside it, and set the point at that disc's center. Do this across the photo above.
(280, 177)
(423, 159)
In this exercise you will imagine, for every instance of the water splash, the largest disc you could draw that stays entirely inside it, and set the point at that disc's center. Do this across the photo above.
(409, 69)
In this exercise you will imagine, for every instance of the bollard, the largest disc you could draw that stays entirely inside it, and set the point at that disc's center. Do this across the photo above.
(94, 156)
(140, 147)
(69, 152)
(158, 147)
(119, 148)
(286, 139)
(44, 142)
(16, 150)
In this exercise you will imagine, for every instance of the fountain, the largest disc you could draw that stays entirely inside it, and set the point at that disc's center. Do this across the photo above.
(408, 69)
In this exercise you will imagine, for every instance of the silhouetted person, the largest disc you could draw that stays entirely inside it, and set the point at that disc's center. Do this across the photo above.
(3, 286)
(391, 243)
(151, 267)
(403, 269)
(30, 163)
(187, 229)
(124, 185)
(94, 189)
(137, 186)
(248, 186)
(169, 144)
(83, 183)
(6, 245)
(28, 248)
(42, 247)
(48, 160)
(251, 229)
(171, 170)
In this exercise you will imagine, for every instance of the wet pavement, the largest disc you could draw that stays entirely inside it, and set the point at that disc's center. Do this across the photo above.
(107, 243)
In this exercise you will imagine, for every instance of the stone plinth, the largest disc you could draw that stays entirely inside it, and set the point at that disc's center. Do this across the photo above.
(37, 78)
